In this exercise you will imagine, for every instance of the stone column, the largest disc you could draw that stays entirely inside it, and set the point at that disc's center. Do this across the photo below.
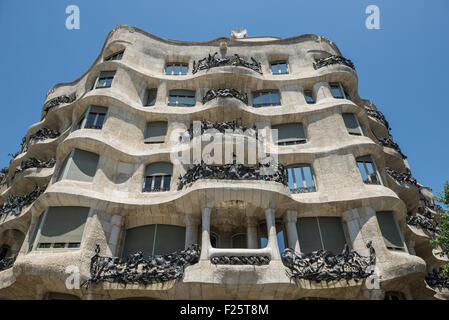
(191, 229)
(116, 226)
(251, 233)
(272, 236)
(322, 91)
(352, 219)
(292, 233)
(205, 234)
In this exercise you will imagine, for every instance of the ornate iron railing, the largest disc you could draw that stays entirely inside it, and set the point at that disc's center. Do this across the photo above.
(41, 134)
(57, 101)
(333, 60)
(3, 175)
(423, 222)
(15, 204)
(241, 260)
(402, 177)
(211, 61)
(232, 172)
(222, 127)
(434, 280)
(137, 269)
(388, 142)
(7, 263)
(225, 93)
(34, 163)
(323, 265)
(375, 113)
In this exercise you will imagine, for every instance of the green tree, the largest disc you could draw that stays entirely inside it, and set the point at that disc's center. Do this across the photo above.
(442, 239)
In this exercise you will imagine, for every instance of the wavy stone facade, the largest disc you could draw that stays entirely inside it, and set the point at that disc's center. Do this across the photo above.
(240, 225)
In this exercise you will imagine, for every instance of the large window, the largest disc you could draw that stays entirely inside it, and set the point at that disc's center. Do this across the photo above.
(176, 68)
(368, 170)
(104, 79)
(93, 118)
(279, 67)
(289, 133)
(265, 98)
(150, 97)
(115, 56)
(154, 239)
(300, 179)
(239, 241)
(338, 91)
(181, 98)
(391, 231)
(352, 124)
(324, 233)
(156, 132)
(79, 165)
(158, 177)
(60, 227)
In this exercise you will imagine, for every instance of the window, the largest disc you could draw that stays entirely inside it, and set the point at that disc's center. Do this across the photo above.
(176, 68)
(279, 67)
(181, 98)
(104, 79)
(115, 56)
(338, 91)
(391, 231)
(308, 95)
(4, 250)
(368, 170)
(158, 177)
(352, 124)
(60, 227)
(93, 118)
(300, 179)
(150, 97)
(289, 134)
(79, 165)
(321, 233)
(266, 98)
(280, 235)
(154, 239)
(239, 241)
(156, 132)
(393, 295)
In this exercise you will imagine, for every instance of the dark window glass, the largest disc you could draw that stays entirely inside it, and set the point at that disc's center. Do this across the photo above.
(266, 98)
(368, 170)
(300, 179)
(279, 67)
(176, 68)
(309, 97)
(181, 98)
(151, 97)
(115, 56)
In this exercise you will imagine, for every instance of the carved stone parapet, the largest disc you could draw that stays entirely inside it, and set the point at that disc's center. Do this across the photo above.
(241, 260)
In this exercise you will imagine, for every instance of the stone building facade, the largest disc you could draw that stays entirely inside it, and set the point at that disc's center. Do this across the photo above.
(340, 217)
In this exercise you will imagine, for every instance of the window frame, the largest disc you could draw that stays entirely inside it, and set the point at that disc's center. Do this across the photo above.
(359, 126)
(113, 56)
(99, 77)
(82, 122)
(342, 89)
(290, 141)
(163, 180)
(277, 63)
(376, 170)
(178, 96)
(173, 65)
(304, 187)
(309, 93)
(404, 247)
(270, 92)
(148, 92)
(66, 165)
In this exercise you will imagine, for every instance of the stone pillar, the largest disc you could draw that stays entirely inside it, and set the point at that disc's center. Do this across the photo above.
(292, 233)
(251, 233)
(352, 220)
(272, 236)
(116, 227)
(321, 91)
(192, 223)
(205, 234)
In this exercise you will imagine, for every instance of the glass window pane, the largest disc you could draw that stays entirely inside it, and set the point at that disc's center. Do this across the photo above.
(157, 183)
(290, 179)
(90, 120)
(148, 182)
(332, 234)
(363, 171)
(309, 96)
(184, 69)
(166, 184)
(275, 98)
(299, 179)
(152, 94)
(100, 120)
(336, 92)
(172, 100)
(308, 177)
(280, 238)
(308, 234)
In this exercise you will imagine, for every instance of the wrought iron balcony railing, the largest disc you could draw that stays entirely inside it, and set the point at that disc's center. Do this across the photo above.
(225, 93)
(402, 177)
(334, 59)
(234, 126)
(41, 134)
(423, 222)
(388, 142)
(15, 204)
(7, 263)
(369, 108)
(137, 269)
(211, 61)
(323, 265)
(232, 172)
(33, 163)
(435, 280)
(57, 101)
(241, 260)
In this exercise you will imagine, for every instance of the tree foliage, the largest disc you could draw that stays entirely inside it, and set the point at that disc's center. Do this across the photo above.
(442, 239)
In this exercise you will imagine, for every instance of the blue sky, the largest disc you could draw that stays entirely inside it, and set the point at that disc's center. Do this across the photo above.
(402, 67)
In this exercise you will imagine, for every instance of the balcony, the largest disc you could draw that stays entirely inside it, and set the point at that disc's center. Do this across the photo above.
(15, 204)
(225, 93)
(211, 61)
(233, 172)
(333, 60)
(53, 103)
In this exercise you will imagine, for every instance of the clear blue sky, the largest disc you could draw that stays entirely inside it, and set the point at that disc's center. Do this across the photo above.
(403, 67)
